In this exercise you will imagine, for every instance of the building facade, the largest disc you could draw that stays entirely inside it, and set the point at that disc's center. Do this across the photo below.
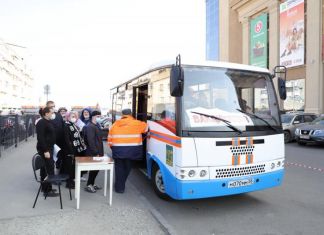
(16, 83)
(267, 33)
(212, 32)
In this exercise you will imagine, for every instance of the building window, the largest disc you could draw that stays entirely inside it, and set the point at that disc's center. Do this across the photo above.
(323, 31)
(212, 29)
(295, 95)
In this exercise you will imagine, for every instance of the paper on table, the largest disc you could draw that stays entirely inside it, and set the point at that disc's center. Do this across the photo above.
(55, 152)
(100, 158)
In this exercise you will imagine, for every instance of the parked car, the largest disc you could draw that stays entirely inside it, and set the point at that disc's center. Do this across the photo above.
(290, 121)
(311, 133)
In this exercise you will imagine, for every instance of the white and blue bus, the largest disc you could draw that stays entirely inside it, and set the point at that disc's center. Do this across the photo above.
(214, 128)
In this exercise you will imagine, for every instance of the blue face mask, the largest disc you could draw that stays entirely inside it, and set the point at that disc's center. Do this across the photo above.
(98, 119)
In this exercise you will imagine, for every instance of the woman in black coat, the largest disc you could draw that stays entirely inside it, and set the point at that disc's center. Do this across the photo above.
(45, 144)
(74, 145)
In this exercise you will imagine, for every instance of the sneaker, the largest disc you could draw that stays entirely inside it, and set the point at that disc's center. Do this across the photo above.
(83, 179)
(51, 194)
(119, 191)
(96, 187)
(70, 185)
(90, 189)
(53, 190)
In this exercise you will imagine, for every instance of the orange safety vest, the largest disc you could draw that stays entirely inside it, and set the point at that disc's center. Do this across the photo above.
(126, 132)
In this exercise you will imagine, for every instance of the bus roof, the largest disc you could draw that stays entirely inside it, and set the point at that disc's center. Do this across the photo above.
(217, 64)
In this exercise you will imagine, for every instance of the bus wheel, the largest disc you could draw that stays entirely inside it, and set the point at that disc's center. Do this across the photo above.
(158, 183)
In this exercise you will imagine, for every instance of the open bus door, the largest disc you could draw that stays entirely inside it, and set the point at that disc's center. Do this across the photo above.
(140, 103)
(140, 95)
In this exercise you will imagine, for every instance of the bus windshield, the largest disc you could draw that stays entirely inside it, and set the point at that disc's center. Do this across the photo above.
(244, 100)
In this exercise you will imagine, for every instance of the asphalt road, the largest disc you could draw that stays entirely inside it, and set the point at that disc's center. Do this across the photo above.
(296, 207)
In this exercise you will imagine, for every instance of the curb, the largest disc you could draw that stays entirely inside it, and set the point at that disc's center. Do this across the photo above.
(168, 228)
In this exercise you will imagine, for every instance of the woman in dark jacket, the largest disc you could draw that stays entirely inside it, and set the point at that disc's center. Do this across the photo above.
(95, 148)
(74, 145)
(45, 144)
(86, 116)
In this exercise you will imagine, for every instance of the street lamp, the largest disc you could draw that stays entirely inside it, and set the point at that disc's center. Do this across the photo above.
(47, 91)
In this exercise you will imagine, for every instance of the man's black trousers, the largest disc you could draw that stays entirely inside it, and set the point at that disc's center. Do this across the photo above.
(122, 170)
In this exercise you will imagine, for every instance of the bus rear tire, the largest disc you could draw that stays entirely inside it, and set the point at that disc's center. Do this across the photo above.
(157, 182)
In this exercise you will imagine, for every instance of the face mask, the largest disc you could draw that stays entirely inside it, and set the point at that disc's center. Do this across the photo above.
(98, 119)
(73, 120)
(86, 117)
(53, 116)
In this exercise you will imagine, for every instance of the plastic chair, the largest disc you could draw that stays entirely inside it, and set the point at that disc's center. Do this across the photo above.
(38, 162)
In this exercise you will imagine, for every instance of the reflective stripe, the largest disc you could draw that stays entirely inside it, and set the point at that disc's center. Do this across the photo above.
(126, 136)
(124, 144)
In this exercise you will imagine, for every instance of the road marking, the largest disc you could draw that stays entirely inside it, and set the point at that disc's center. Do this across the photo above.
(305, 166)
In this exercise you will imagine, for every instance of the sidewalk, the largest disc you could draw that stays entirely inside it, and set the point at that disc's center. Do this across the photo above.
(127, 215)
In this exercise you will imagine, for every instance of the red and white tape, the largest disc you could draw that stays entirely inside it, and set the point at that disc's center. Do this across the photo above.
(305, 166)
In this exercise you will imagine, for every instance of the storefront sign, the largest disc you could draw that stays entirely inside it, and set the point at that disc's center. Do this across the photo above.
(292, 46)
(259, 41)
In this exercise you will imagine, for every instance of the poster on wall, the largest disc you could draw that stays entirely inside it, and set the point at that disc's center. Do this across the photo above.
(259, 41)
(292, 46)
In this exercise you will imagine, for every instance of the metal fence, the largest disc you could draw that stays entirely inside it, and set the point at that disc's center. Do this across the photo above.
(16, 128)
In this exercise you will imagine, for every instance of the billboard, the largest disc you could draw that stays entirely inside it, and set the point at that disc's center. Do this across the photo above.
(292, 44)
(259, 41)
(323, 46)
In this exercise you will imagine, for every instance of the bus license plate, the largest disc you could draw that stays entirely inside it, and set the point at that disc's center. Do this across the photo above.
(240, 183)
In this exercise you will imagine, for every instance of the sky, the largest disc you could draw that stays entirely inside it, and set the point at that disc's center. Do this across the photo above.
(82, 48)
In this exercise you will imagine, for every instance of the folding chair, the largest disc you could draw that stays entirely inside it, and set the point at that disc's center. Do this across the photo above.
(38, 162)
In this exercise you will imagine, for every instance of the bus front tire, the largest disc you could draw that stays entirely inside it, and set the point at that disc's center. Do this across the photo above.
(157, 182)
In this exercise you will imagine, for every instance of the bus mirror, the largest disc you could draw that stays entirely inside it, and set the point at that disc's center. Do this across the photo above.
(281, 72)
(176, 81)
(282, 88)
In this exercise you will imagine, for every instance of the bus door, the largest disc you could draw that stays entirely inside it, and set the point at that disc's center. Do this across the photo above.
(140, 96)
(140, 103)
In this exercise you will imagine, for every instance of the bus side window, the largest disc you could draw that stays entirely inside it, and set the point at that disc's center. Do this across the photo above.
(161, 105)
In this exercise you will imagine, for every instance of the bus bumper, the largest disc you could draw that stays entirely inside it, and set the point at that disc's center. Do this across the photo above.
(214, 188)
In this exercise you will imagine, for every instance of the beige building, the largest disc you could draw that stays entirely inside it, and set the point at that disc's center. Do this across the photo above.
(16, 83)
(305, 82)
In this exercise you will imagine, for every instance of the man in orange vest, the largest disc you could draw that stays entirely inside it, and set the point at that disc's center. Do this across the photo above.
(126, 142)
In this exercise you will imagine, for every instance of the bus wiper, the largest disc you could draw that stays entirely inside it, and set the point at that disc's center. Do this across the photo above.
(228, 123)
(257, 117)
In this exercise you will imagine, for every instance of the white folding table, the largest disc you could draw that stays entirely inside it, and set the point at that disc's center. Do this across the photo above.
(93, 163)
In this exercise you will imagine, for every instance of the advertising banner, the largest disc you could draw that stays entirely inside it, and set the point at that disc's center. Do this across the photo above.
(323, 47)
(259, 41)
(292, 45)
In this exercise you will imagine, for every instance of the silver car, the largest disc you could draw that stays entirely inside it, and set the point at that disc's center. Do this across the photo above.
(290, 121)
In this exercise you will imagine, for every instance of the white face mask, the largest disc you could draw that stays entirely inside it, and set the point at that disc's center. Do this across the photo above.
(86, 117)
(53, 116)
(73, 120)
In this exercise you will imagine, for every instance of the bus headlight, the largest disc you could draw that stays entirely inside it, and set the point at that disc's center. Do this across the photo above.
(203, 173)
(191, 173)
